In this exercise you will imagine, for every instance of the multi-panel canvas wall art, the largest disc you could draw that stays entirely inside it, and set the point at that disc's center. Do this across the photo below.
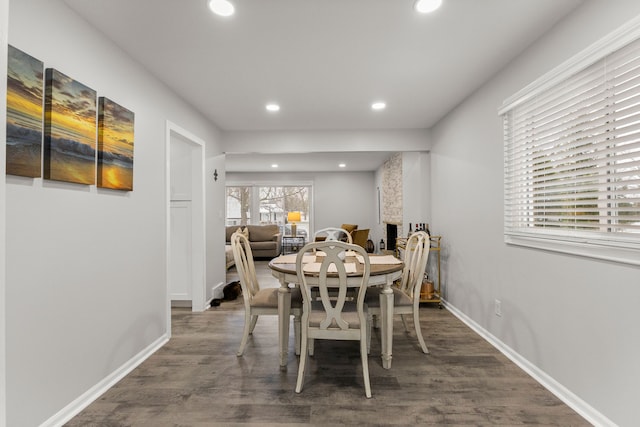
(69, 129)
(24, 114)
(115, 146)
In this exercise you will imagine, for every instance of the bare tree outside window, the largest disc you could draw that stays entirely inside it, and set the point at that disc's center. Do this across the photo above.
(238, 205)
(273, 204)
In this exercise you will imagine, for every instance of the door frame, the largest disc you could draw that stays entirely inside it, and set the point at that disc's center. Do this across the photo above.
(198, 217)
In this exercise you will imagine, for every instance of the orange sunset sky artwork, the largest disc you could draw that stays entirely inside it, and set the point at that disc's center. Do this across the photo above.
(115, 146)
(69, 129)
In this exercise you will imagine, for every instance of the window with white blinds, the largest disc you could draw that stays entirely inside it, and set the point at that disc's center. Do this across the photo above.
(572, 157)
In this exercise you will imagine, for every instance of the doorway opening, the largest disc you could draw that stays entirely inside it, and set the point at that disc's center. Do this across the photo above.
(185, 202)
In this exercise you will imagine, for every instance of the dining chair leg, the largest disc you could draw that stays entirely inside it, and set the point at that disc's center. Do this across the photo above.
(375, 321)
(416, 325)
(369, 332)
(254, 320)
(311, 346)
(248, 322)
(302, 363)
(365, 364)
(296, 333)
(404, 322)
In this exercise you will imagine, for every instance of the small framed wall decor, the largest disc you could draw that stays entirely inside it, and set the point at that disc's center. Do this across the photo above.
(115, 146)
(24, 114)
(69, 129)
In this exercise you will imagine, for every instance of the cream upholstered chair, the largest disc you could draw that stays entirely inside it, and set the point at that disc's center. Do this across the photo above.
(259, 301)
(360, 237)
(349, 227)
(333, 233)
(332, 315)
(407, 296)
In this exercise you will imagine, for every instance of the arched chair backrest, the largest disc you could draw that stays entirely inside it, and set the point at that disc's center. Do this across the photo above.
(244, 264)
(258, 302)
(333, 233)
(415, 261)
(330, 313)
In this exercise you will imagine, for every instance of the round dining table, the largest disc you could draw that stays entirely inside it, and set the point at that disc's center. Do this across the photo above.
(385, 269)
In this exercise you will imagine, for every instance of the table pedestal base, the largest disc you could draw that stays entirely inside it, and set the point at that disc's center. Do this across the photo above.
(386, 310)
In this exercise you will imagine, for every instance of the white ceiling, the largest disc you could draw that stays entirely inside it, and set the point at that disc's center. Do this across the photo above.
(323, 61)
(306, 162)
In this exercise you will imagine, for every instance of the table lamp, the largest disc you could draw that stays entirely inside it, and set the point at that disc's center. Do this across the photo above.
(292, 218)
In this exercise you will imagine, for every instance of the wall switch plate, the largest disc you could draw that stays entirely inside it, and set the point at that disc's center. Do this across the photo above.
(498, 307)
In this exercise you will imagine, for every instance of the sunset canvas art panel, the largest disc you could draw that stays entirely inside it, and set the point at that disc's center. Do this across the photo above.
(69, 129)
(24, 114)
(115, 146)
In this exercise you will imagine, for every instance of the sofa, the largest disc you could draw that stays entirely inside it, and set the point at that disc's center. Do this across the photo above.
(265, 241)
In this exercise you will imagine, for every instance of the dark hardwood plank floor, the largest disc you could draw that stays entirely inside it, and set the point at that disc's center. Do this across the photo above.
(197, 380)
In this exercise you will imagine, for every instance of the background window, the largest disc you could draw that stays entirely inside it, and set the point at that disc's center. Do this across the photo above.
(268, 205)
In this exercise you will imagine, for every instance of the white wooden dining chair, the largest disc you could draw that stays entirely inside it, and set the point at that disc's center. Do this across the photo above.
(259, 301)
(333, 233)
(407, 296)
(332, 315)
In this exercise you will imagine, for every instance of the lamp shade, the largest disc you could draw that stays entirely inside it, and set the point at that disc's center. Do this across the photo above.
(293, 217)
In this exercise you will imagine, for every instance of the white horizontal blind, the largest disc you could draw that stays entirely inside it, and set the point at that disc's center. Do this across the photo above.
(572, 155)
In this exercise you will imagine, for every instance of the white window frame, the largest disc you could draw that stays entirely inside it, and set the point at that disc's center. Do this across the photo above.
(609, 245)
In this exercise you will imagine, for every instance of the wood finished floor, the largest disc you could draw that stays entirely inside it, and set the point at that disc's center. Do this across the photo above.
(197, 380)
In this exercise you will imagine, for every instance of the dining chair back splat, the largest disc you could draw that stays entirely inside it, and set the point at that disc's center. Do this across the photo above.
(333, 233)
(258, 301)
(407, 295)
(332, 315)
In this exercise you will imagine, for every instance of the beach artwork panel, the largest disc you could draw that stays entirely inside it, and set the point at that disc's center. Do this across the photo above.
(69, 129)
(115, 146)
(24, 114)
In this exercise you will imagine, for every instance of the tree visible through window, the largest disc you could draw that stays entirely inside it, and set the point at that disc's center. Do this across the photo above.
(267, 205)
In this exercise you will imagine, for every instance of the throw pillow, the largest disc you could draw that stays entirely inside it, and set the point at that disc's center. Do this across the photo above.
(349, 227)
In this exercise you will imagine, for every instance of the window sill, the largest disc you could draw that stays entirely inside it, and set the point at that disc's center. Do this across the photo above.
(624, 254)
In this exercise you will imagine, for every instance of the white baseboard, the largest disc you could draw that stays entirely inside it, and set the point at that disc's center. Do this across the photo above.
(216, 290)
(84, 400)
(561, 392)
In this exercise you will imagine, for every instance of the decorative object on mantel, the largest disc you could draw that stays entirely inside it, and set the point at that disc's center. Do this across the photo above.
(370, 247)
(24, 114)
(69, 129)
(115, 146)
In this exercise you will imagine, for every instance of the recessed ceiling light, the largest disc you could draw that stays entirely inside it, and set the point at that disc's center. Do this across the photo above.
(274, 165)
(427, 6)
(342, 165)
(378, 106)
(221, 7)
(273, 107)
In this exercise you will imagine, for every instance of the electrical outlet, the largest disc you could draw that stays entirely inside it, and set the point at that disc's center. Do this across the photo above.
(498, 307)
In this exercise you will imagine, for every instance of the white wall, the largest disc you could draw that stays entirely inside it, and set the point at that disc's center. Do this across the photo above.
(4, 15)
(86, 288)
(215, 199)
(339, 198)
(416, 189)
(572, 321)
(326, 141)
